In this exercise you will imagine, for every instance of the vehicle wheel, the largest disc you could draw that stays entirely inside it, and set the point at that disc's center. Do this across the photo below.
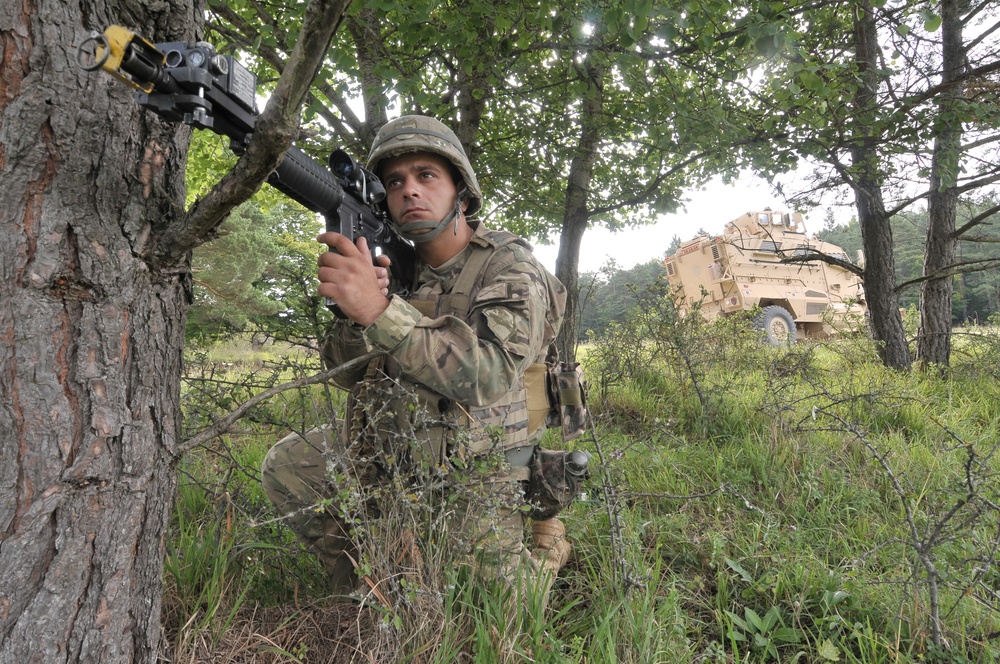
(778, 325)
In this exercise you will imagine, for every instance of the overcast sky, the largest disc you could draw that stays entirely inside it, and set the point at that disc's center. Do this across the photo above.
(710, 208)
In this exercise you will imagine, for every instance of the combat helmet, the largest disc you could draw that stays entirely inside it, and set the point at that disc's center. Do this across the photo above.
(419, 133)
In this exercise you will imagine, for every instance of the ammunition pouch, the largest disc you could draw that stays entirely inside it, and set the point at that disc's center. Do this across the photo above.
(557, 398)
(554, 480)
(567, 399)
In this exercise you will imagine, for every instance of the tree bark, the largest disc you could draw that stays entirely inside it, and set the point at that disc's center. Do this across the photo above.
(876, 230)
(577, 214)
(364, 28)
(934, 340)
(95, 284)
(92, 343)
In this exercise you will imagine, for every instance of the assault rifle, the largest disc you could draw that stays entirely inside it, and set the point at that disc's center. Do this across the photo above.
(190, 82)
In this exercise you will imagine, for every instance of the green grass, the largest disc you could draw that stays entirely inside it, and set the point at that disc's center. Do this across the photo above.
(762, 506)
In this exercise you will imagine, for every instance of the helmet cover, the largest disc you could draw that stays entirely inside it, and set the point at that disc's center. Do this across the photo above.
(420, 133)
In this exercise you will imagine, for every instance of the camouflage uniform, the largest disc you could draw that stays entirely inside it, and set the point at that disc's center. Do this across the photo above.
(453, 377)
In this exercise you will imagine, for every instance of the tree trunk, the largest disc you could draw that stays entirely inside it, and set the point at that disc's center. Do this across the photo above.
(934, 341)
(880, 279)
(577, 215)
(363, 25)
(876, 231)
(92, 343)
(568, 272)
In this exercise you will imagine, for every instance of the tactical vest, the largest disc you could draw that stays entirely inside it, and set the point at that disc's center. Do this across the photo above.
(516, 420)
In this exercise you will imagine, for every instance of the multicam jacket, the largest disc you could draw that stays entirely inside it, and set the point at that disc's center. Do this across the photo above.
(465, 357)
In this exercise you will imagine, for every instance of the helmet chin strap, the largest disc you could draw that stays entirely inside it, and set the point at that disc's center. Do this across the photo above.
(407, 231)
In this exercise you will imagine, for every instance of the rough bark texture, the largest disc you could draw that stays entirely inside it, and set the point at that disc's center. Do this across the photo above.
(91, 341)
(876, 231)
(577, 216)
(934, 342)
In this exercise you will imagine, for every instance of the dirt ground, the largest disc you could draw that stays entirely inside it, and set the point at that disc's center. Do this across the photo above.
(340, 632)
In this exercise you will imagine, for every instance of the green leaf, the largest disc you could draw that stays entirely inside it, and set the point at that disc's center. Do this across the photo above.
(932, 24)
(828, 651)
(811, 80)
(786, 635)
(735, 566)
(831, 599)
(771, 618)
(738, 621)
(754, 619)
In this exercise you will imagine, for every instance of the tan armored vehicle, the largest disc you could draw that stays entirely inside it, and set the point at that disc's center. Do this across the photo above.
(741, 269)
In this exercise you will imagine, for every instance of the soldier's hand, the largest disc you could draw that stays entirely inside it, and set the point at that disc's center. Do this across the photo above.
(348, 277)
(382, 272)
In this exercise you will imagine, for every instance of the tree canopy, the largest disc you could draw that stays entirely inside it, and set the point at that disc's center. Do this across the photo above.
(605, 112)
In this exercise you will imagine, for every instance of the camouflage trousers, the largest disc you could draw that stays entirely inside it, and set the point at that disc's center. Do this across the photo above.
(320, 488)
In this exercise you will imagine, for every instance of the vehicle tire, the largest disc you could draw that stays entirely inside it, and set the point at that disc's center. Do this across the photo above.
(777, 324)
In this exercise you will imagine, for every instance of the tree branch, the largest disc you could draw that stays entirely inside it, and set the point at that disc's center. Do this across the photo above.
(811, 255)
(246, 33)
(977, 220)
(226, 423)
(962, 267)
(276, 128)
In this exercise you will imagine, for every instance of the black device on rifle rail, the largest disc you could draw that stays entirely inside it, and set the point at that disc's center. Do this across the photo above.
(190, 82)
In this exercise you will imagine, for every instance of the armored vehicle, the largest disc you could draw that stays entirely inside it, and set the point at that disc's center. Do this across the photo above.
(742, 269)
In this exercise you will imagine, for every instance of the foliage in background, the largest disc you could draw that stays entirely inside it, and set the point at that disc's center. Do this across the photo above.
(609, 294)
(977, 288)
(543, 97)
(259, 275)
(227, 272)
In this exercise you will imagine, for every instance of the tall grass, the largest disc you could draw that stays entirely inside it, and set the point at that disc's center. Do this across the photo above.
(746, 504)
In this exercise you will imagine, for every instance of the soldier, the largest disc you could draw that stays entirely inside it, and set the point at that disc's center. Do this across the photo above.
(451, 387)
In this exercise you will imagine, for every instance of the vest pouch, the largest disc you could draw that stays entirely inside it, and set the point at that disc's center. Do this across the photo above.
(539, 400)
(567, 396)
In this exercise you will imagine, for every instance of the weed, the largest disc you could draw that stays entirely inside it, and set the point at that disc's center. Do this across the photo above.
(746, 504)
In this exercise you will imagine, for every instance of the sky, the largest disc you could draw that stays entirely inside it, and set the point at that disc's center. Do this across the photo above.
(709, 208)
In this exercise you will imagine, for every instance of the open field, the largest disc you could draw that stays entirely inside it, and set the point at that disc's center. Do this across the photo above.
(746, 504)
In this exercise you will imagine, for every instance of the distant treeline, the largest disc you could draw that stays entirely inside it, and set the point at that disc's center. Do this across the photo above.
(977, 293)
(608, 295)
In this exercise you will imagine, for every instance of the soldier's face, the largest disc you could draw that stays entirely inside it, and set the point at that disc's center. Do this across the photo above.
(419, 187)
